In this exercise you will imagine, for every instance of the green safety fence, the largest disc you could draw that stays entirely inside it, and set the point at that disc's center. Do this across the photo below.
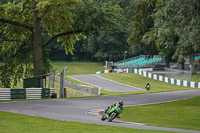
(18, 93)
(46, 93)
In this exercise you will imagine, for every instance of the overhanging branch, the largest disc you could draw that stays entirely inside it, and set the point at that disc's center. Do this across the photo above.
(16, 24)
(60, 35)
(23, 45)
(10, 40)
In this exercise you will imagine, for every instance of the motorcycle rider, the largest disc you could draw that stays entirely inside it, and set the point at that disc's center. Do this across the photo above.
(147, 87)
(119, 104)
(116, 108)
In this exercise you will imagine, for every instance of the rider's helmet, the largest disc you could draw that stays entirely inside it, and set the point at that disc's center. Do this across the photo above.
(121, 103)
(114, 104)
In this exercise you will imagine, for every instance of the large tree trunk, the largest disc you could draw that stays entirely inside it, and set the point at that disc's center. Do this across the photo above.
(192, 62)
(37, 44)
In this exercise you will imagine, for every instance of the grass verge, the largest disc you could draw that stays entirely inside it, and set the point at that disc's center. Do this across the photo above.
(140, 82)
(196, 77)
(17, 123)
(183, 114)
(78, 68)
(105, 92)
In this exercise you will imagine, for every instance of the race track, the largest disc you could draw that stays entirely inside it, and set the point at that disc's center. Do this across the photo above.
(86, 109)
(105, 83)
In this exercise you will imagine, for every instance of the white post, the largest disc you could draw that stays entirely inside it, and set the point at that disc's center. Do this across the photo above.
(125, 54)
(106, 65)
(99, 91)
(62, 82)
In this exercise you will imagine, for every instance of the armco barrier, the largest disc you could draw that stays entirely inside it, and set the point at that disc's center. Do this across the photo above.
(28, 93)
(5, 94)
(33, 93)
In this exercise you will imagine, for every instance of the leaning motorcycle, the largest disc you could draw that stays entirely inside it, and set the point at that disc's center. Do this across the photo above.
(111, 113)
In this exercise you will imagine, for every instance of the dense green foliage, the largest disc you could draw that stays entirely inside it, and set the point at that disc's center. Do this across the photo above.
(142, 22)
(28, 27)
(170, 26)
(109, 44)
(93, 30)
(182, 114)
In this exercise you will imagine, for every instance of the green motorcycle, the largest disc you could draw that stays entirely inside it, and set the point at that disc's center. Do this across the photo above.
(112, 113)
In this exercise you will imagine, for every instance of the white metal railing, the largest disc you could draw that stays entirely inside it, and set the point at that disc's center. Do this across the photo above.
(5, 94)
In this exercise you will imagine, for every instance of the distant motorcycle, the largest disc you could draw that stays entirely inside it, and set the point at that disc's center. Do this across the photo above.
(111, 113)
(147, 87)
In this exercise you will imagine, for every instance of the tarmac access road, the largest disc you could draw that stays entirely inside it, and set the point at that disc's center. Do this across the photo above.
(86, 110)
(105, 83)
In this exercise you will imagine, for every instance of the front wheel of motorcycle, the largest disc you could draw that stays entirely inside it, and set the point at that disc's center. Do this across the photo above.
(112, 116)
(103, 118)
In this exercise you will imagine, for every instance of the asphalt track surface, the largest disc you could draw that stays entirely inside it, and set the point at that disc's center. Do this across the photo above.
(105, 83)
(86, 109)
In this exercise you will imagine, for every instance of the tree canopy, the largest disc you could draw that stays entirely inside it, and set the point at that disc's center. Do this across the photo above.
(33, 30)
(141, 23)
(169, 26)
(28, 26)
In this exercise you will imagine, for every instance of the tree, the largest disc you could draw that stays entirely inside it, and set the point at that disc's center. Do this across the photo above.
(177, 25)
(109, 45)
(23, 25)
(142, 22)
(162, 34)
(186, 16)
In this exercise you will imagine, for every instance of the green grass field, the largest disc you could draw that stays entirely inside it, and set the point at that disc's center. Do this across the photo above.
(78, 68)
(75, 68)
(140, 82)
(105, 92)
(196, 77)
(17, 123)
(183, 114)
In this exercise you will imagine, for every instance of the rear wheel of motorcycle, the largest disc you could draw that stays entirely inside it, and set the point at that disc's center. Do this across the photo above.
(112, 116)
